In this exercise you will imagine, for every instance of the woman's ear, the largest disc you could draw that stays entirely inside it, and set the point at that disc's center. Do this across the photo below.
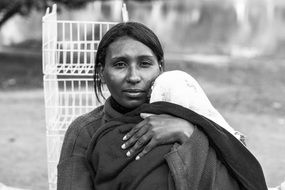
(101, 70)
(160, 64)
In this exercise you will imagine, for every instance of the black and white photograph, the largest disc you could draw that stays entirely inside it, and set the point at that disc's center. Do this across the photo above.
(142, 95)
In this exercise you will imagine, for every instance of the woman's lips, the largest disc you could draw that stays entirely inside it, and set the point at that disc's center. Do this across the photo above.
(134, 93)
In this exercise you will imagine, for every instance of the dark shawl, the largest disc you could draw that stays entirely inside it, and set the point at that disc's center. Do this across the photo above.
(238, 160)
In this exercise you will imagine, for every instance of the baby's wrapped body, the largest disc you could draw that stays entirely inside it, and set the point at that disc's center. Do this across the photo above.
(212, 158)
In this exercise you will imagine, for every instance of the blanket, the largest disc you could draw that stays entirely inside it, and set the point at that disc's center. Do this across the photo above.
(113, 170)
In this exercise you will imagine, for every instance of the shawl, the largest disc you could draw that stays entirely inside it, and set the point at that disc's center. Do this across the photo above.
(111, 167)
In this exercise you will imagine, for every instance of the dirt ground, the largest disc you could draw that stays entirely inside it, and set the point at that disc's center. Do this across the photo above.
(23, 159)
(250, 95)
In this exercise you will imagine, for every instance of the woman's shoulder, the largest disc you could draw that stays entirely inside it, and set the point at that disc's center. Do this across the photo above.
(81, 130)
(86, 119)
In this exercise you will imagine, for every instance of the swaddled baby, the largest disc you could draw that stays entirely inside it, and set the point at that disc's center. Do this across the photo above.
(177, 86)
(114, 169)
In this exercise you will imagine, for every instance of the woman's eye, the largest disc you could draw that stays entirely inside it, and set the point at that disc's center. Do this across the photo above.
(119, 64)
(146, 63)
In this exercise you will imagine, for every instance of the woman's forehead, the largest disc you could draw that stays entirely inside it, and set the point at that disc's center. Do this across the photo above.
(126, 46)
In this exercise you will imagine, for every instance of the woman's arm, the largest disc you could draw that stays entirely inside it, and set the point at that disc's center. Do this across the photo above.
(73, 169)
(156, 130)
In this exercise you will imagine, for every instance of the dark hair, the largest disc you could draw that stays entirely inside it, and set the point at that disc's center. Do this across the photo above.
(133, 30)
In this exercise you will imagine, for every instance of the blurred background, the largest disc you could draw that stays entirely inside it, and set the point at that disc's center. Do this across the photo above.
(234, 48)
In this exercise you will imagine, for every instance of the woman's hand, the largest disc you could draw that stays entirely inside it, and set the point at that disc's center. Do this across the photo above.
(156, 130)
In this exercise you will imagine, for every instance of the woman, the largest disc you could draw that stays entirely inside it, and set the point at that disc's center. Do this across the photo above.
(128, 60)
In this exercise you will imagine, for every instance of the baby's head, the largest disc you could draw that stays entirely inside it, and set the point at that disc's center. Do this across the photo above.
(180, 88)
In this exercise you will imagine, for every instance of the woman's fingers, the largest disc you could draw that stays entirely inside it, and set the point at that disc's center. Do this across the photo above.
(147, 149)
(134, 130)
(134, 135)
(138, 126)
(144, 139)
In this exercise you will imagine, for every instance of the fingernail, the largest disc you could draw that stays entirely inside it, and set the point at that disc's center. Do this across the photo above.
(125, 138)
(128, 153)
(123, 146)
(137, 158)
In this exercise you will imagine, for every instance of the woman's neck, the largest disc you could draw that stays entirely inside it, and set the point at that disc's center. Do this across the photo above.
(118, 107)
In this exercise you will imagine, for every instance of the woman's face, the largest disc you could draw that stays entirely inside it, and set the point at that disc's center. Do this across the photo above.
(130, 68)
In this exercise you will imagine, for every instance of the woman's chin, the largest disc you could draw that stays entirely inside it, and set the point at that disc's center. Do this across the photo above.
(133, 103)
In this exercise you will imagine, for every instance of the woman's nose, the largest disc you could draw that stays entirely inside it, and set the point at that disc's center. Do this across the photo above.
(133, 75)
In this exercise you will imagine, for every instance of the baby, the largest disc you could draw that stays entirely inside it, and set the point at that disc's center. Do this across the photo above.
(177, 86)
(114, 169)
